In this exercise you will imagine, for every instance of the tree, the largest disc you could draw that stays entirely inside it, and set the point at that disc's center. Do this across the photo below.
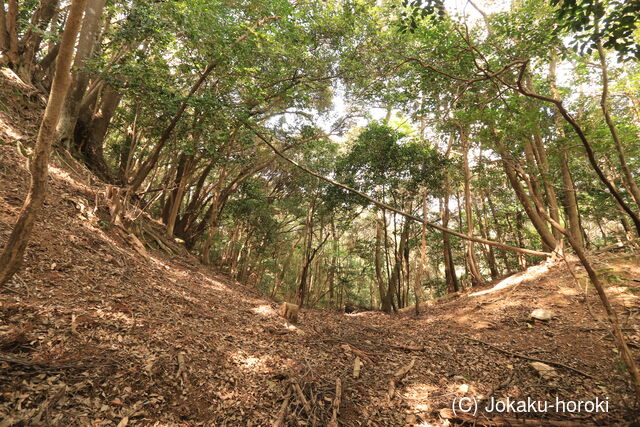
(13, 252)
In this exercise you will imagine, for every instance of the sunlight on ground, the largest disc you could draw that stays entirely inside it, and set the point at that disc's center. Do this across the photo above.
(264, 310)
(416, 396)
(529, 274)
(113, 316)
(66, 177)
(251, 363)
(8, 130)
(214, 284)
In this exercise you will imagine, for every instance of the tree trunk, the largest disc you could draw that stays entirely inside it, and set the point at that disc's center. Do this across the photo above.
(396, 273)
(568, 187)
(484, 232)
(627, 176)
(476, 276)
(522, 260)
(12, 255)
(89, 134)
(334, 263)
(84, 51)
(543, 164)
(12, 32)
(423, 269)
(33, 37)
(498, 230)
(188, 164)
(4, 35)
(449, 266)
(212, 220)
(557, 102)
(548, 241)
(384, 297)
(532, 177)
(308, 242)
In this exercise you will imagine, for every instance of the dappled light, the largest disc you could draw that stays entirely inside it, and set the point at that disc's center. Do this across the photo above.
(531, 273)
(325, 213)
(264, 310)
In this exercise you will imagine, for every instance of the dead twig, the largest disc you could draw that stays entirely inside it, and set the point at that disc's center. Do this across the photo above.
(397, 376)
(336, 404)
(533, 359)
(282, 413)
(39, 365)
(304, 401)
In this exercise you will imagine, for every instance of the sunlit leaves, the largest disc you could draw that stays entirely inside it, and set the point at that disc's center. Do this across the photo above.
(614, 22)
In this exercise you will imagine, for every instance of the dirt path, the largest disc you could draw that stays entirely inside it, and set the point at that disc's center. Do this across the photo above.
(94, 333)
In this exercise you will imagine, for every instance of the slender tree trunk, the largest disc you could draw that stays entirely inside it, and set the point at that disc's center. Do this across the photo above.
(12, 255)
(522, 260)
(532, 177)
(334, 263)
(12, 32)
(390, 290)
(395, 282)
(557, 102)
(423, 268)
(498, 230)
(548, 241)
(189, 164)
(543, 163)
(612, 316)
(384, 297)
(627, 177)
(449, 266)
(213, 218)
(308, 242)
(484, 232)
(283, 270)
(476, 276)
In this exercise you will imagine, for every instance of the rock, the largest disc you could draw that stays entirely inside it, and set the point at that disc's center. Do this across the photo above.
(545, 371)
(463, 388)
(541, 314)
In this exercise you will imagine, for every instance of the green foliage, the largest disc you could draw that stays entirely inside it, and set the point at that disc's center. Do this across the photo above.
(614, 22)
(382, 159)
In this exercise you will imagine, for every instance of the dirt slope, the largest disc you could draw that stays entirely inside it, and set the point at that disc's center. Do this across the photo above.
(94, 333)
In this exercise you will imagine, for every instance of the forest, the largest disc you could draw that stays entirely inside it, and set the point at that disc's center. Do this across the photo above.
(387, 172)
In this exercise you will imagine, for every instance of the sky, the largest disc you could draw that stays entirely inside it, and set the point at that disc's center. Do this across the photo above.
(454, 7)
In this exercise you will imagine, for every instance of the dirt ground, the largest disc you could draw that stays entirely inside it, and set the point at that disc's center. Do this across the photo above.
(92, 332)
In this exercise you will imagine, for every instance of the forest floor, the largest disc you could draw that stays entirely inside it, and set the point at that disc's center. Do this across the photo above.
(93, 332)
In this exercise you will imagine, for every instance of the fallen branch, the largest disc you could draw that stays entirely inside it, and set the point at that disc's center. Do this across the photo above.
(397, 376)
(532, 359)
(282, 413)
(336, 404)
(39, 365)
(304, 401)
(396, 210)
(346, 346)
(409, 347)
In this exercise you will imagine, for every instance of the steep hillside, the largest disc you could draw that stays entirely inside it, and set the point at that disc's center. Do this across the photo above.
(95, 332)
